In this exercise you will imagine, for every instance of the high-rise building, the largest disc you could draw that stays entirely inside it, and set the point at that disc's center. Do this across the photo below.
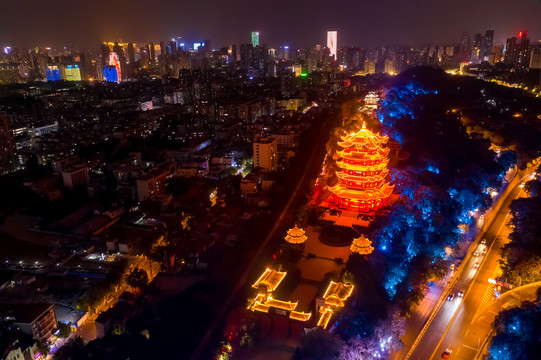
(535, 59)
(131, 55)
(332, 39)
(370, 66)
(255, 38)
(53, 73)
(71, 73)
(266, 153)
(246, 55)
(152, 55)
(121, 57)
(7, 147)
(115, 62)
(488, 43)
(464, 49)
(517, 51)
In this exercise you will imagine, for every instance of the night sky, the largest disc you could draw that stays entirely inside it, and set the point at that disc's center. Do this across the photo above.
(25, 23)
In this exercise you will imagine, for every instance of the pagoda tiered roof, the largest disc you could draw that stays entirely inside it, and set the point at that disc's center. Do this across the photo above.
(363, 138)
(356, 167)
(296, 235)
(343, 191)
(349, 153)
(361, 245)
(365, 179)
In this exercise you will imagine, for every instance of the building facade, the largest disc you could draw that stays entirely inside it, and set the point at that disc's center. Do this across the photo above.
(266, 153)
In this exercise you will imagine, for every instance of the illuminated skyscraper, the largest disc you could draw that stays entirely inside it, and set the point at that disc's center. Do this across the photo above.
(332, 38)
(113, 63)
(255, 38)
(72, 73)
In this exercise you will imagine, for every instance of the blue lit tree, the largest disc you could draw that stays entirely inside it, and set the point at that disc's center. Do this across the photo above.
(517, 333)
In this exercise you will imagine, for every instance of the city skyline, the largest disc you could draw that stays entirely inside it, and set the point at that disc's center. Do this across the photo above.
(293, 24)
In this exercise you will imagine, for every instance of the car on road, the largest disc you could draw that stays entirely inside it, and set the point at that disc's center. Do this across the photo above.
(476, 265)
(484, 251)
(484, 241)
(452, 267)
(461, 294)
(450, 297)
(447, 353)
(476, 253)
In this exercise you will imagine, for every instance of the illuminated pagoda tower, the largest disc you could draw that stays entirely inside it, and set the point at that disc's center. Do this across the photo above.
(361, 182)
(361, 245)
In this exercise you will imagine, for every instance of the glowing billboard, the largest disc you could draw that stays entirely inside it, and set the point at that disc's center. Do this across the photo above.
(332, 38)
(113, 61)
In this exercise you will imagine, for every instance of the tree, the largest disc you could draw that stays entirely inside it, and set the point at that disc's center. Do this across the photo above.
(526, 271)
(71, 350)
(137, 278)
(150, 207)
(42, 348)
(517, 333)
(64, 329)
(318, 344)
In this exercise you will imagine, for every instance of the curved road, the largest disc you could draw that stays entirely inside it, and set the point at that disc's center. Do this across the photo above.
(452, 325)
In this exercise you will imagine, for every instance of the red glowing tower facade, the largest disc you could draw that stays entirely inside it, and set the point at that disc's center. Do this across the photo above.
(361, 181)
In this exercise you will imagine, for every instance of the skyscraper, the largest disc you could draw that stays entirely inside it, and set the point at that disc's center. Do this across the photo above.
(7, 148)
(489, 42)
(255, 38)
(152, 55)
(464, 47)
(131, 55)
(332, 38)
(517, 51)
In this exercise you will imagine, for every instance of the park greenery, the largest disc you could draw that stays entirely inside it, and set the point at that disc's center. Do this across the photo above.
(137, 278)
(460, 147)
(521, 257)
(517, 332)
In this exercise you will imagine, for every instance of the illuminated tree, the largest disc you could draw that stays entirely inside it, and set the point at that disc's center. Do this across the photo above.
(137, 278)
(319, 344)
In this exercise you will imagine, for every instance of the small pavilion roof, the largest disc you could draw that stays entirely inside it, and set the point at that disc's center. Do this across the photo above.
(361, 245)
(270, 278)
(337, 293)
(324, 317)
(284, 305)
(296, 235)
(300, 315)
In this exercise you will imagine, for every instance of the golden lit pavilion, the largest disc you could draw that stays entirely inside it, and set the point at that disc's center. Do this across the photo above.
(361, 181)
(269, 279)
(263, 301)
(335, 298)
(296, 235)
(361, 245)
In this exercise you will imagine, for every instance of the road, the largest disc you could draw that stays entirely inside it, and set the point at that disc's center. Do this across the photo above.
(451, 325)
(313, 163)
